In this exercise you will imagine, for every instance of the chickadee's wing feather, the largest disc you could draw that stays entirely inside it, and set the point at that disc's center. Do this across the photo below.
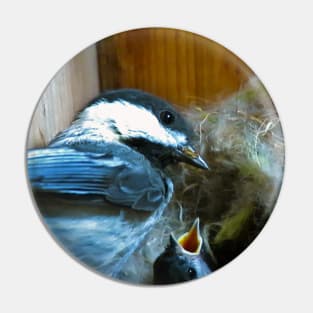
(103, 239)
(121, 175)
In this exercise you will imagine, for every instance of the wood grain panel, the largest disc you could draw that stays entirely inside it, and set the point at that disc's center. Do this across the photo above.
(177, 65)
(66, 94)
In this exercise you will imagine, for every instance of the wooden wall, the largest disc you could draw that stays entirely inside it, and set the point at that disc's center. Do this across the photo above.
(181, 67)
(67, 93)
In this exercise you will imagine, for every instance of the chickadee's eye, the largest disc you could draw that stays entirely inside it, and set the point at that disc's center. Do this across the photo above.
(167, 117)
(191, 272)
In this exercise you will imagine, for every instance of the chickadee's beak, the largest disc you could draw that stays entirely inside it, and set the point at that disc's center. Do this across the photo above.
(191, 241)
(188, 155)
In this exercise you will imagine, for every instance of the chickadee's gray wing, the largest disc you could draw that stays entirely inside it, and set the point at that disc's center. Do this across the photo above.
(106, 237)
(121, 175)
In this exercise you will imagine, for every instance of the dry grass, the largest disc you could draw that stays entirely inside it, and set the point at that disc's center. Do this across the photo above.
(242, 140)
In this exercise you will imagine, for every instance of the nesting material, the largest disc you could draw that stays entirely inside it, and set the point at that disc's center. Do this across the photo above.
(242, 140)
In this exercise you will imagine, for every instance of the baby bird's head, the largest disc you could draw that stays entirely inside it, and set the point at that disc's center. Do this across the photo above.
(181, 261)
(145, 122)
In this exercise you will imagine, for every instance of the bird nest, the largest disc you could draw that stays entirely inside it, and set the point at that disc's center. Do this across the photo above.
(242, 141)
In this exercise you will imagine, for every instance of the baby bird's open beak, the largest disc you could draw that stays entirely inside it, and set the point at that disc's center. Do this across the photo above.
(192, 240)
(188, 155)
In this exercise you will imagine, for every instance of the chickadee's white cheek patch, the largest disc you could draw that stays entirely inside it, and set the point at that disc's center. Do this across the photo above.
(155, 156)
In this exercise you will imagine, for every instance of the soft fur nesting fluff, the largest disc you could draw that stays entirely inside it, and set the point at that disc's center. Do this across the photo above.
(242, 140)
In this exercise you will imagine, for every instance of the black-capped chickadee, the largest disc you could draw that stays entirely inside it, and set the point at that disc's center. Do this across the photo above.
(113, 156)
(181, 260)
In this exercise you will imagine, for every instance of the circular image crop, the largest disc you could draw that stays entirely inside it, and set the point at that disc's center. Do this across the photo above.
(155, 156)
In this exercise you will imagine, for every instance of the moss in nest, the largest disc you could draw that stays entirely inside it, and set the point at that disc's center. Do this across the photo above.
(232, 226)
(233, 234)
(241, 138)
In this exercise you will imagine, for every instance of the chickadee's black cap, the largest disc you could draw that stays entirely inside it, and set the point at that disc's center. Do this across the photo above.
(163, 110)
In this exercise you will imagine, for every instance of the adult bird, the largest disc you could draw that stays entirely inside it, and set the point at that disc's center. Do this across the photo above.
(100, 184)
(181, 260)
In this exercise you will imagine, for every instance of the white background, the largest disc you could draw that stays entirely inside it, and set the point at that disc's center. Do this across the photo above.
(274, 38)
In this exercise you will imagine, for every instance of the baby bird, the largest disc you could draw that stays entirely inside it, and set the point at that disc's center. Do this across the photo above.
(100, 184)
(181, 261)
